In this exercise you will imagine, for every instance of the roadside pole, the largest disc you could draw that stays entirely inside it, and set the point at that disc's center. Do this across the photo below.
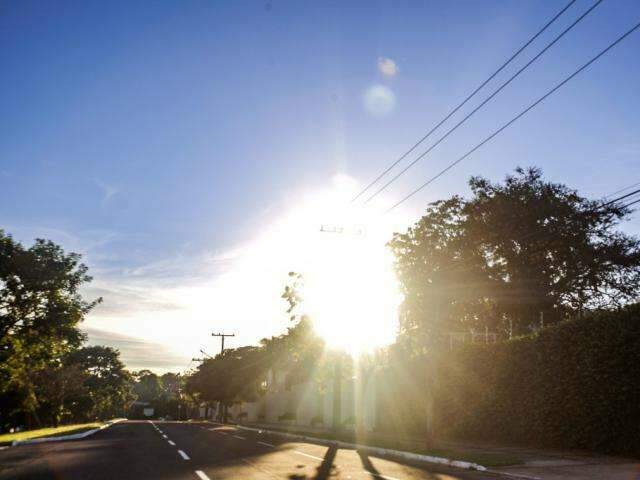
(222, 337)
(337, 393)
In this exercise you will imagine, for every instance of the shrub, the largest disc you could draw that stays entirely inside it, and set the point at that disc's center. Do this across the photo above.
(317, 420)
(573, 385)
(287, 416)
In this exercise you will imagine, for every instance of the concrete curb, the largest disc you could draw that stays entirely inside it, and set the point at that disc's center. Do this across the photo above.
(383, 452)
(62, 438)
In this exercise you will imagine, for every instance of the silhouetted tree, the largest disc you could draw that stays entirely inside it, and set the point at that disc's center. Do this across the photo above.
(512, 253)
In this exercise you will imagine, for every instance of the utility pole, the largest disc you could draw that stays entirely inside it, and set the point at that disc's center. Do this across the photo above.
(222, 337)
(337, 393)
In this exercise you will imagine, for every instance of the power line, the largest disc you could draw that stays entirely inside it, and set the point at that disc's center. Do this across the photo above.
(487, 100)
(630, 203)
(415, 145)
(517, 117)
(623, 189)
(620, 198)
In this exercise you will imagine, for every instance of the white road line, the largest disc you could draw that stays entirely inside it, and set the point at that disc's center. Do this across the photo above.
(238, 436)
(183, 455)
(171, 443)
(307, 455)
(202, 475)
(165, 437)
(267, 444)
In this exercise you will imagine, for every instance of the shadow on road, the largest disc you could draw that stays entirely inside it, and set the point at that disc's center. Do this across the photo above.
(375, 473)
(325, 470)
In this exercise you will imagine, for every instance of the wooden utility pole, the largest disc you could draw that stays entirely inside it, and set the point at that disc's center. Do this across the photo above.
(337, 394)
(222, 337)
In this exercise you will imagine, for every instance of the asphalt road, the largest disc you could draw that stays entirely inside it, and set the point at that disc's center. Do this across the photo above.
(192, 451)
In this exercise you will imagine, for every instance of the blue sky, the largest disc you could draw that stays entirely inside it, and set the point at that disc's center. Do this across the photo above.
(161, 139)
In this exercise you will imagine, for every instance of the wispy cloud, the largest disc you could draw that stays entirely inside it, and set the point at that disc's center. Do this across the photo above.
(138, 353)
(108, 191)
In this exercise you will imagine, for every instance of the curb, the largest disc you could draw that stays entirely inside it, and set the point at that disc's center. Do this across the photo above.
(62, 438)
(384, 452)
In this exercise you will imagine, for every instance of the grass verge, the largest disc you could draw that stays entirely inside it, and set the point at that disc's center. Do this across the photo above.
(7, 438)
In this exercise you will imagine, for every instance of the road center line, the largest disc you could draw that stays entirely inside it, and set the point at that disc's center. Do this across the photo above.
(238, 436)
(202, 475)
(183, 455)
(267, 444)
(307, 455)
(171, 443)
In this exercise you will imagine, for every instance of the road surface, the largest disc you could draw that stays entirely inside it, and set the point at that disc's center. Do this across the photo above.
(201, 451)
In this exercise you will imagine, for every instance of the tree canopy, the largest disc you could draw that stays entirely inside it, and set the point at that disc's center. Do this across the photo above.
(46, 376)
(514, 253)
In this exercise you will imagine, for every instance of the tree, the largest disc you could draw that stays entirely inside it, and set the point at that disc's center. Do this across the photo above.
(232, 376)
(108, 384)
(514, 253)
(148, 387)
(61, 392)
(40, 309)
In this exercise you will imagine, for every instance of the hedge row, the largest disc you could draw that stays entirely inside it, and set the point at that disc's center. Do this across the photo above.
(574, 385)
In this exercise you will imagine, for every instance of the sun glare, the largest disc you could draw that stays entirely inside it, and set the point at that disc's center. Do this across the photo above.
(350, 289)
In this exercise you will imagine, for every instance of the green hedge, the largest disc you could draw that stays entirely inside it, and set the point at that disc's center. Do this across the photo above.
(574, 385)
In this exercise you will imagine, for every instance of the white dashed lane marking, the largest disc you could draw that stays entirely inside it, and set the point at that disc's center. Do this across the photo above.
(164, 436)
(171, 443)
(183, 455)
(238, 436)
(202, 475)
(267, 444)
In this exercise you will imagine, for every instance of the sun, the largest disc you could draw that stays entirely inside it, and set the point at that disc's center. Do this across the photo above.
(351, 292)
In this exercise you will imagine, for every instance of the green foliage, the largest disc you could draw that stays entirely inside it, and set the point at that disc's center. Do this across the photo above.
(46, 377)
(574, 385)
(510, 252)
(240, 374)
(148, 386)
(235, 375)
(164, 393)
(107, 384)
(287, 416)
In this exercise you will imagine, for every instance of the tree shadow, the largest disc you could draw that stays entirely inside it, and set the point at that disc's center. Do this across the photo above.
(375, 473)
(367, 465)
(326, 468)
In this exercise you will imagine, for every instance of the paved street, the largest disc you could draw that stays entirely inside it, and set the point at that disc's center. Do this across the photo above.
(181, 451)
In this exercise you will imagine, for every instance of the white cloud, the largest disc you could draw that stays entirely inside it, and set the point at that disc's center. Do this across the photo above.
(387, 67)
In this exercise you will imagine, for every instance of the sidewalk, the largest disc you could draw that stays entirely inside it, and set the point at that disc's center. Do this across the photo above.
(559, 464)
(518, 462)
